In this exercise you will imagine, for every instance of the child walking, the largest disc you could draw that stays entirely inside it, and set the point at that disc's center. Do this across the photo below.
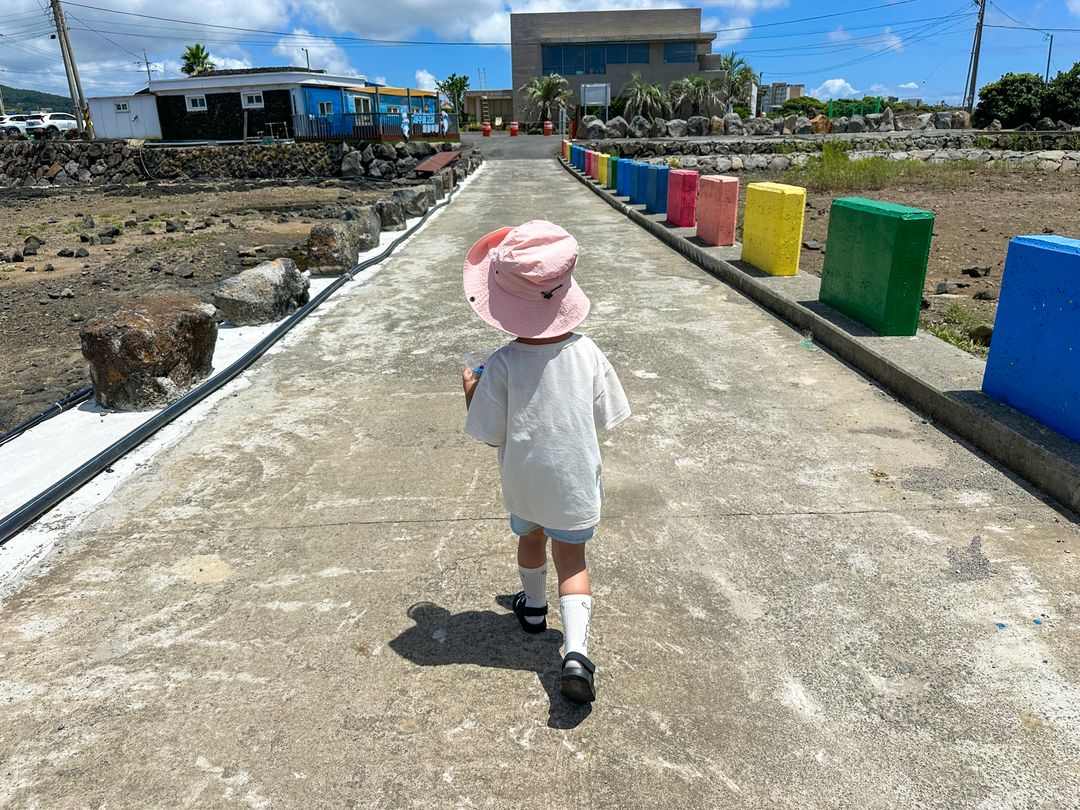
(541, 400)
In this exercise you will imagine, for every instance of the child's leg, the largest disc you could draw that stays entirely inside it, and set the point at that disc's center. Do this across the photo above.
(575, 594)
(532, 567)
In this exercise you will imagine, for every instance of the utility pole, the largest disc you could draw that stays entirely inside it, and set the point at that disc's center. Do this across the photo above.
(307, 57)
(975, 57)
(1049, 51)
(84, 122)
(3, 111)
(146, 61)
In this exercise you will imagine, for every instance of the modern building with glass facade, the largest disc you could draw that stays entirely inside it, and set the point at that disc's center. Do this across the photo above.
(607, 47)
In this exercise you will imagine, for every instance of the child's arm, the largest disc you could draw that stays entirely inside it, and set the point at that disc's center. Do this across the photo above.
(486, 416)
(469, 381)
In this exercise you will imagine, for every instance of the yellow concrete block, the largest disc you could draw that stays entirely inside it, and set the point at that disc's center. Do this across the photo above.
(602, 168)
(772, 227)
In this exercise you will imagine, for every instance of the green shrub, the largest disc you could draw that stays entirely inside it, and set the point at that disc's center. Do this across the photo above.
(1014, 99)
(744, 112)
(803, 105)
(1062, 99)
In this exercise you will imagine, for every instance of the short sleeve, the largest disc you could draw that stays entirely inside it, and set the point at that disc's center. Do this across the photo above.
(609, 403)
(486, 420)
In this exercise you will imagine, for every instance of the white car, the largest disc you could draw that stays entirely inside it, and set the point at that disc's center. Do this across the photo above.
(50, 124)
(13, 124)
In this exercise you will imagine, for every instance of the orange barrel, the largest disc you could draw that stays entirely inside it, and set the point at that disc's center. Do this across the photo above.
(487, 129)
(548, 128)
(513, 129)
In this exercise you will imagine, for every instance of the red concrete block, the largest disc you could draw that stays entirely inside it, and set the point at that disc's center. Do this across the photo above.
(682, 193)
(718, 208)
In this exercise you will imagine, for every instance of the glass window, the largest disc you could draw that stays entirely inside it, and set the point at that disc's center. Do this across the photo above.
(573, 58)
(121, 106)
(552, 58)
(616, 54)
(594, 59)
(326, 108)
(680, 52)
(637, 53)
(196, 103)
(252, 101)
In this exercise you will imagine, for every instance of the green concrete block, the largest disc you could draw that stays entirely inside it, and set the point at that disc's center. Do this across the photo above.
(875, 263)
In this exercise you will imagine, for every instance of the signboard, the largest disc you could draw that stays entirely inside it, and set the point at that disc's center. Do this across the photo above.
(596, 95)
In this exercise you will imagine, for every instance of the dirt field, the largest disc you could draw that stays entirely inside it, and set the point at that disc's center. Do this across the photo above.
(41, 310)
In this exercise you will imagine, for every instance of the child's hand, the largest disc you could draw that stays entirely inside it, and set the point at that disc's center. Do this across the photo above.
(469, 381)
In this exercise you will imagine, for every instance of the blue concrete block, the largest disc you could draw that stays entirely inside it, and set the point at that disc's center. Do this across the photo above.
(579, 157)
(637, 183)
(1034, 362)
(624, 178)
(656, 183)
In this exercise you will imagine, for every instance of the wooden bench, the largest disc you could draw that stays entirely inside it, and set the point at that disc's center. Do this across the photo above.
(440, 160)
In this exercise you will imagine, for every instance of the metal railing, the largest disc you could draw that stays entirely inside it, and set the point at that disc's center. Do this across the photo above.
(366, 126)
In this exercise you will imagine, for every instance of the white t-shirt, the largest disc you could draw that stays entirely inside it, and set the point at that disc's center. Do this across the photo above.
(542, 405)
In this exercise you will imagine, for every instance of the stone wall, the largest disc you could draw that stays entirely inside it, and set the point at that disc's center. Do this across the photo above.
(46, 164)
(878, 142)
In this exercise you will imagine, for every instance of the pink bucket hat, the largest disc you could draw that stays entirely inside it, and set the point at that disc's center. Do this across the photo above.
(519, 280)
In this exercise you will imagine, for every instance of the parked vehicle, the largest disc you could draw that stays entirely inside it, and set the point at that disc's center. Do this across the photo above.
(14, 124)
(50, 124)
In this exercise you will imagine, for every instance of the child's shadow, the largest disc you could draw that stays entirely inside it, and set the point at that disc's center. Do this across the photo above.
(489, 639)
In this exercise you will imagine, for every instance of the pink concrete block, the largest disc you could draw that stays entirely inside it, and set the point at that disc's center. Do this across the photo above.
(718, 208)
(591, 170)
(682, 193)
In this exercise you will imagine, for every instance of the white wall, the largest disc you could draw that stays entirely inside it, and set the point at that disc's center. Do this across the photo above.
(140, 120)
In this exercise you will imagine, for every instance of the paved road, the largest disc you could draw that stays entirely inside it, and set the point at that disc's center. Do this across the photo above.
(806, 596)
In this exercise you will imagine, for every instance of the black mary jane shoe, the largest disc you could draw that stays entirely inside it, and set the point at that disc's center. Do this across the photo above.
(521, 610)
(578, 678)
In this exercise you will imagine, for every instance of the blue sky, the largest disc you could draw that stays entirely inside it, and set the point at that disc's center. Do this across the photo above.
(904, 47)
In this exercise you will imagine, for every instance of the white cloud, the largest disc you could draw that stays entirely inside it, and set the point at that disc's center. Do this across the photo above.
(915, 85)
(839, 35)
(736, 30)
(834, 88)
(878, 88)
(379, 79)
(425, 80)
(1074, 6)
(324, 54)
(886, 41)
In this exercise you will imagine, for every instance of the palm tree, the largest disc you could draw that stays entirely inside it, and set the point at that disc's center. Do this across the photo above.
(643, 98)
(703, 94)
(196, 60)
(547, 93)
(735, 84)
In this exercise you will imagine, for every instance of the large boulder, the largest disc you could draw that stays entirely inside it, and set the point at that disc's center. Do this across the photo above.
(639, 127)
(943, 120)
(382, 169)
(697, 125)
(595, 129)
(789, 124)
(821, 125)
(416, 200)
(961, 119)
(716, 125)
(907, 122)
(873, 122)
(658, 128)
(384, 151)
(391, 213)
(802, 126)
(677, 128)
(888, 120)
(840, 124)
(332, 249)
(149, 352)
(758, 126)
(926, 121)
(778, 126)
(995, 126)
(733, 124)
(617, 127)
(266, 292)
(419, 149)
(586, 120)
(365, 224)
(1045, 125)
(352, 165)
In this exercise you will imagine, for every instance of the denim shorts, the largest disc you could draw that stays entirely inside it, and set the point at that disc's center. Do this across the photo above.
(522, 527)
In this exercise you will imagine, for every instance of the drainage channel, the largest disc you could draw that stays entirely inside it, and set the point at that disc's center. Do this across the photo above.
(30, 511)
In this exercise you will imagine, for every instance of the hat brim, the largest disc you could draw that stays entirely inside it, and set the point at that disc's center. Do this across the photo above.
(520, 317)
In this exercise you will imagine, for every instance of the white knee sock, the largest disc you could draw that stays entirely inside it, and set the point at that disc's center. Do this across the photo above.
(534, 583)
(576, 610)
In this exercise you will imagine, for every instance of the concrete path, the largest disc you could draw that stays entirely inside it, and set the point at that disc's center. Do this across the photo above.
(806, 595)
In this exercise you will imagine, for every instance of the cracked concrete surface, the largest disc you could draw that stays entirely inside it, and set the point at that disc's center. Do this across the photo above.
(297, 605)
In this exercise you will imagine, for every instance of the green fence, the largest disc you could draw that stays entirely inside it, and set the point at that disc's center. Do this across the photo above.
(847, 108)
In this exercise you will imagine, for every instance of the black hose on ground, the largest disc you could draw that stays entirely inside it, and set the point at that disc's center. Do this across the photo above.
(30, 511)
(55, 409)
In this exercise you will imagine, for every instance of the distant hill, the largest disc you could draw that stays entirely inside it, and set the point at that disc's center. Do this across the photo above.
(16, 100)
